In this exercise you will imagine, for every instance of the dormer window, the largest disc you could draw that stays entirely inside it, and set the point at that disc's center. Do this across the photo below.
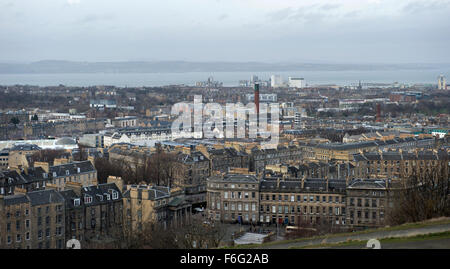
(108, 197)
(115, 195)
(54, 174)
(76, 202)
(44, 175)
(87, 199)
(67, 172)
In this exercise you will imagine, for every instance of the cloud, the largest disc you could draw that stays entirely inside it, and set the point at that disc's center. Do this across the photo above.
(281, 14)
(95, 18)
(424, 6)
(222, 17)
(73, 2)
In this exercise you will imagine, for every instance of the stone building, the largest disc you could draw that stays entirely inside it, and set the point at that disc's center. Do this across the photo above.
(191, 169)
(82, 172)
(400, 164)
(302, 201)
(29, 179)
(367, 202)
(233, 198)
(47, 219)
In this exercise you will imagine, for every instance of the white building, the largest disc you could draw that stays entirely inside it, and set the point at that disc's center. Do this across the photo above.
(442, 83)
(296, 82)
(276, 81)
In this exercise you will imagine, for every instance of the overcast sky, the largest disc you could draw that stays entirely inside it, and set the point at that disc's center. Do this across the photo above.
(376, 31)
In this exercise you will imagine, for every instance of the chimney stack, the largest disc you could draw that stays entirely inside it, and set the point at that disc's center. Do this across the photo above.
(257, 99)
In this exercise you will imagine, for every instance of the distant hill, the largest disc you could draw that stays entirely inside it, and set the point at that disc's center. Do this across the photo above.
(51, 67)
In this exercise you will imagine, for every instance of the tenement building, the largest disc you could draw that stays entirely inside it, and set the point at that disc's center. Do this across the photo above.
(32, 220)
(400, 164)
(233, 198)
(82, 172)
(305, 201)
(367, 202)
(292, 201)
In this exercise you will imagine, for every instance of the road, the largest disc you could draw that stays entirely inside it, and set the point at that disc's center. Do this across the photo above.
(366, 236)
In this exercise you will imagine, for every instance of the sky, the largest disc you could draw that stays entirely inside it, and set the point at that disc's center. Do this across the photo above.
(315, 31)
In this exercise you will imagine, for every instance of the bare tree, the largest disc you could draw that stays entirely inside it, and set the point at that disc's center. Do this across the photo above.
(421, 196)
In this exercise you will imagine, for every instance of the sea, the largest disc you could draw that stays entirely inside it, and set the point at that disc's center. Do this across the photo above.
(229, 79)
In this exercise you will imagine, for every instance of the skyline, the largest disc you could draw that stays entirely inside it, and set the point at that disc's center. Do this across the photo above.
(372, 31)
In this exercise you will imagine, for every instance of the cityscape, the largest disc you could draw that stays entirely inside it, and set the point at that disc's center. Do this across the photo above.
(227, 153)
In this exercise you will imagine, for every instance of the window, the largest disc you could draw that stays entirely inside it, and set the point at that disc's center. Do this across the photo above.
(87, 199)
(225, 195)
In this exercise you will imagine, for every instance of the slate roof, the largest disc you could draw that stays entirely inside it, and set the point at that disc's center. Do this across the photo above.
(235, 178)
(396, 156)
(100, 192)
(15, 199)
(24, 147)
(367, 184)
(195, 156)
(13, 178)
(154, 192)
(310, 184)
(60, 170)
(44, 197)
(69, 196)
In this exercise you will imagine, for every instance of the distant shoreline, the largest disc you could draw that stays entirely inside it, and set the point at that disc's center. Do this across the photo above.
(64, 67)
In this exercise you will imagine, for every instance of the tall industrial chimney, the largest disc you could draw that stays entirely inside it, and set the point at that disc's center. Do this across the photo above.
(257, 99)
(378, 113)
